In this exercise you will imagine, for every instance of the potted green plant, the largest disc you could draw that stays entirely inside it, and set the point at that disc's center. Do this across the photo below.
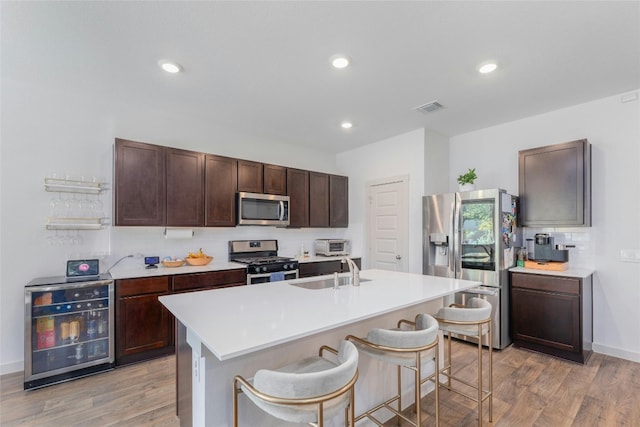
(466, 180)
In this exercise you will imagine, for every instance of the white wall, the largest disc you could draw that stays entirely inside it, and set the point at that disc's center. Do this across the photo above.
(613, 128)
(44, 131)
(400, 155)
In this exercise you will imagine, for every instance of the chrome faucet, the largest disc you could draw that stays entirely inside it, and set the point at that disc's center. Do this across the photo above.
(354, 271)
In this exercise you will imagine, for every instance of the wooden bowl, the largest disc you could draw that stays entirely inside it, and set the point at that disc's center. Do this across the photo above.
(177, 263)
(199, 261)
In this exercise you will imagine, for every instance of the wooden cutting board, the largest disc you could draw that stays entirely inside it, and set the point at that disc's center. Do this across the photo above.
(551, 265)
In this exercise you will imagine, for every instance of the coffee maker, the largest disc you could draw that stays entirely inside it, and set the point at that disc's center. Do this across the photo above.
(544, 250)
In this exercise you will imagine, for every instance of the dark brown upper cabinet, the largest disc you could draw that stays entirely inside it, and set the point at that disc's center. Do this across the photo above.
(221, 185)
(318, 199)
(275, 179)
(185, 188)
(250, 176)
(298, 192)
(338, 201)
(555, 185)
(139, 184)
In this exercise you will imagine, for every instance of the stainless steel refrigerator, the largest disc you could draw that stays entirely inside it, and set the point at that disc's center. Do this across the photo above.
(474, 235)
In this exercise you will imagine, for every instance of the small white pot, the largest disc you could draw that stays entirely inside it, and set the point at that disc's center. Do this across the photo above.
(466, 187)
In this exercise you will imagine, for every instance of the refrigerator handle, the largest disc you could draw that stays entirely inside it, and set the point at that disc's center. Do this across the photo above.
(456, 253)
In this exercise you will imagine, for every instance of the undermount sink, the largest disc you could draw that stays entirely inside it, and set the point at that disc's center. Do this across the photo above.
(326, 283)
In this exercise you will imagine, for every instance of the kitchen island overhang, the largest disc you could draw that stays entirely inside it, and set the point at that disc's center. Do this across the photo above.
(240, 330)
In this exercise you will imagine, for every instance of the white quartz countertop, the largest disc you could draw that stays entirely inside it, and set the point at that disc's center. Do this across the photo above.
(580, 273)
(232, 322)
(131, 272)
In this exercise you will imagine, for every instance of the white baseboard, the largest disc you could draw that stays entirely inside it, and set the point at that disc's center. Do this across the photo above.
(616, 352)
(10, 368)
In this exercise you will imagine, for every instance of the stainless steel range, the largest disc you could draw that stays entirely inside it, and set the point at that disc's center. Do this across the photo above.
(262, 260)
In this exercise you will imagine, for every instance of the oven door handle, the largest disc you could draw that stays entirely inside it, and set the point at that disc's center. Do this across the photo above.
(269, 274)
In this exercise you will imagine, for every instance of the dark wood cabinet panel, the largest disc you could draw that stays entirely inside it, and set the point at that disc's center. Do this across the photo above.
(250, 176)
(298, 192)
(555, 185)
(552, 314)
(185, 188)
(144, 327)
(275, 179)
(139, 183)
(318, 199)
(321, 268)
(221, 185)
(209, 280)
(338, 201)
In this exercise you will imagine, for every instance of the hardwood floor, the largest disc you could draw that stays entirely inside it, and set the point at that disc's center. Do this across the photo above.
(136, 395)
(530, 390)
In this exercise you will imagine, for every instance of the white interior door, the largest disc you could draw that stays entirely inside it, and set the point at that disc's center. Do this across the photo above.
(388, 217)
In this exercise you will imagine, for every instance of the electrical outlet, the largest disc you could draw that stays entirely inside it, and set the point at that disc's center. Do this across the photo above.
(630, 255)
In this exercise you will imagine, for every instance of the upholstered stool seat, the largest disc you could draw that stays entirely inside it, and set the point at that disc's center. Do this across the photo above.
(306, 391)
(472, 320)
(407, 348)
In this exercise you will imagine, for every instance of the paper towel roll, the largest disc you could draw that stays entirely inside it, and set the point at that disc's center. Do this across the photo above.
(178, 233)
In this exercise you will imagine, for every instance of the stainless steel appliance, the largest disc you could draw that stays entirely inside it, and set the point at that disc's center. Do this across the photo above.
(262, 260)
(473, 235)
(68, 328)
(263, 209)
(332, 247)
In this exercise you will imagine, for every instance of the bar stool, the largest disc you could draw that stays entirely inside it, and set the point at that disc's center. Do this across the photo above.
(305, 391)
(472, 320)
(410, 349)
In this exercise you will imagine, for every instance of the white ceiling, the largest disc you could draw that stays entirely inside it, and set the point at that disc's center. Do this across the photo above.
(263, 67)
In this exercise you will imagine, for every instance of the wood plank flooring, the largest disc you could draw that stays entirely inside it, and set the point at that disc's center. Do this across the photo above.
(530, 389)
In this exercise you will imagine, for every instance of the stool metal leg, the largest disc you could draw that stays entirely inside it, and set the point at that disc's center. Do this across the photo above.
(480, 375)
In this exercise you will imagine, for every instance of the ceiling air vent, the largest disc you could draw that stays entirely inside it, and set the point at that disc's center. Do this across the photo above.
(430, 107)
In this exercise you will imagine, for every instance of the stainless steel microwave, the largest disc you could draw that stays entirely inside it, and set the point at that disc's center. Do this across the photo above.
(263, 209)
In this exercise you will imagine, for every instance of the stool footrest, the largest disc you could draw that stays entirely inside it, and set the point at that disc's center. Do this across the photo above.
(388, 407)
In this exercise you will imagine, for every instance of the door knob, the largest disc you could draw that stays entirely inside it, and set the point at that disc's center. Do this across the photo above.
(398, 257)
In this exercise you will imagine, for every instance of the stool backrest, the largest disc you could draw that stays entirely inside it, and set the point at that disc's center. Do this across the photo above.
(475, 310)
(425, 333)
(310, 384)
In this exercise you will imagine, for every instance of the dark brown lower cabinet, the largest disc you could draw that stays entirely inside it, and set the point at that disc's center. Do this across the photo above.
(144, 327)
(552, 315)
(320, 268)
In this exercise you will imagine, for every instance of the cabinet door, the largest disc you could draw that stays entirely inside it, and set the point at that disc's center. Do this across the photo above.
(546, 314)
(221, 185)
(338, 201)
(275, 179)
(318, 199)
(309, 269)
(298, 192)
(144, 327)
(555, 185)
(185, 188)
(139, 184)
(250, 175)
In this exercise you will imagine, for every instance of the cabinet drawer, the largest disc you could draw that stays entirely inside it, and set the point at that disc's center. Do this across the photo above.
(209, 279)
(142, 286)
(546, 283)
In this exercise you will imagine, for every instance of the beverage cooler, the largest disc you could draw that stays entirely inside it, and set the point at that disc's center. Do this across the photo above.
(69, 329)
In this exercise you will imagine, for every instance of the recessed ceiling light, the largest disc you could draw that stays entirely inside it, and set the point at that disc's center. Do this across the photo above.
(170, 67)
(487, 67)
(340, 61)
(346, 125)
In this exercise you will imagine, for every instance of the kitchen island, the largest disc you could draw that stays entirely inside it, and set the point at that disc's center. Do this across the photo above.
(240, 330)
